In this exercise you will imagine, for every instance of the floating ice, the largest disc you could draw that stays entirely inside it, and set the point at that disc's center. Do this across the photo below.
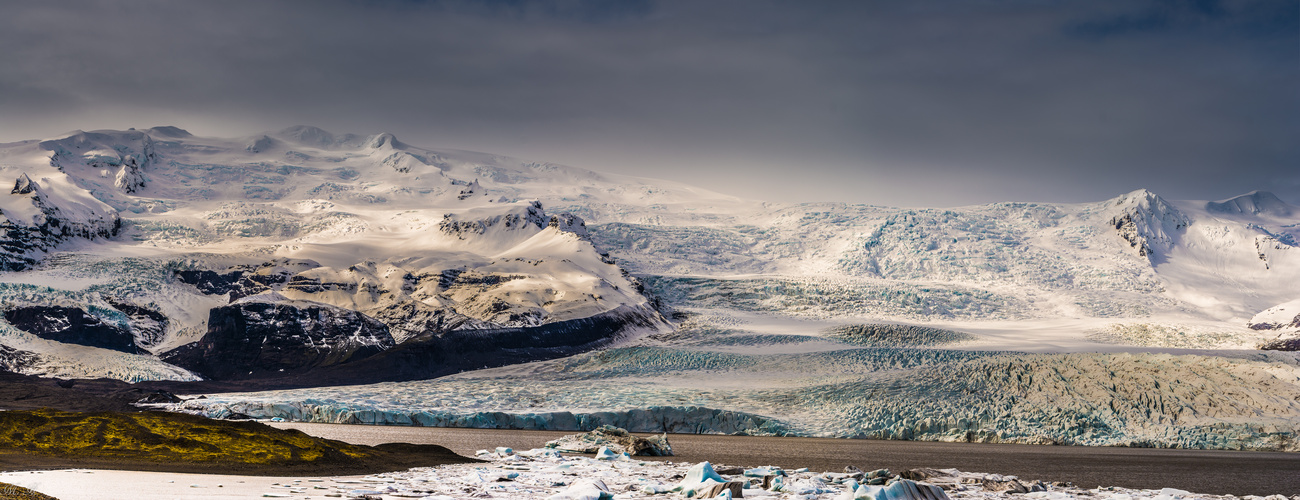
(584, 489)
(616, 439)
(542, 474)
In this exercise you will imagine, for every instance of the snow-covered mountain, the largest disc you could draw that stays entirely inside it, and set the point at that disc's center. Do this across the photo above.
(380, 252)
(354, 246)
(1137, 259)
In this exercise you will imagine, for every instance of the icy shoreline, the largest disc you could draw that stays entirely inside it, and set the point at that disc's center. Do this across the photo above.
(546, 474)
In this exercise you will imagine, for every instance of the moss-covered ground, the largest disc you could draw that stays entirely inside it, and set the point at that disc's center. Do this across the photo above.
(14, 492)
(187, 443)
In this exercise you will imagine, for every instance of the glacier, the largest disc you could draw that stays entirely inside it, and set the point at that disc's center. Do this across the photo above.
(520, 294)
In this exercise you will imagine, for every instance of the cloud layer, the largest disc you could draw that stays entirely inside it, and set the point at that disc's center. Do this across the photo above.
(900, 103)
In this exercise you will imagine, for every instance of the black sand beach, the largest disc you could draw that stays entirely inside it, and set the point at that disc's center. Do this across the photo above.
(1200, 471)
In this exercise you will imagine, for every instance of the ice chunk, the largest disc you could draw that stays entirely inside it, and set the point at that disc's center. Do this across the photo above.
(902, 489)
(764, 471)
(607, 454)
(697, 475)
(584, 489)
(619, 440)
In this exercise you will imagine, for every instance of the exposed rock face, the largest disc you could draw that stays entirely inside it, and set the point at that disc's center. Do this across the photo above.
(1294, 323)
(430, 355)
(15, 360)
(1283, 316)
(130, 176)
(1147, 222)
(23, 185)
(1286, 344)
(148, 327)
(410, 319)
(71, 325)
(276, 337)
(25, 237)
(254, 283)
(210, 282)
(470, 190)
(569, 223)
(532, 214)
(245, 281)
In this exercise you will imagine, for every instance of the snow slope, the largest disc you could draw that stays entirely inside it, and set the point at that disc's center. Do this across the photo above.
(323, 200)
(406, 235)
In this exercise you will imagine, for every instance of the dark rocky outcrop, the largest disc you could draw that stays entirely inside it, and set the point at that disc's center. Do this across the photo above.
(23, 185)
(412, 318)
(245, 280)
(532, 215)
(210, 282)
(1148, 223)
(147, 325)
(261, 339)
(23, 242)
(254, 283)
(71, 325)
(431, 355)
(159, 397)
(265, 345)
(1266, 325)
(15, 360)
(1282, 344)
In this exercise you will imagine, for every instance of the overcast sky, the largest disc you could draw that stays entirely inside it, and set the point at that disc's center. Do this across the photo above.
(886, 102)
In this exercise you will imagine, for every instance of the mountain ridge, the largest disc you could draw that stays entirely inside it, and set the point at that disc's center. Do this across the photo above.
(433, 241)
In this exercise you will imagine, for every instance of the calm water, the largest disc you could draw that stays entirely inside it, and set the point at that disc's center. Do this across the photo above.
(1201, 471)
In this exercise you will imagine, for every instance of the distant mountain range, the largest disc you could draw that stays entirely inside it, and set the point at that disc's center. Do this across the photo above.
(312, 258)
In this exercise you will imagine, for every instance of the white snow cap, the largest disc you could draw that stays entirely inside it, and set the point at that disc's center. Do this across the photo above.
(1284, 316)
(1253, 203)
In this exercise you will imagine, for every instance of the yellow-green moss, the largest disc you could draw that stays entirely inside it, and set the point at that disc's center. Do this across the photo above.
(162, 437)
(15, 492)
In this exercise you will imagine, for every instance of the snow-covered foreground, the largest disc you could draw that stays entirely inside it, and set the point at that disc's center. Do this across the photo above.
(77, 484)
(545, 474)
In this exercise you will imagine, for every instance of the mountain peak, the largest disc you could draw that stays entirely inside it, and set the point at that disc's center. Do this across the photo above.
(308, 135)
(383, 140)
(1253, 203)
(24, 185)
(169, 131)
(1138, 196)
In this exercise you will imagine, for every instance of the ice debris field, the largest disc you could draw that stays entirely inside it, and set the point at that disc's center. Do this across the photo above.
(547, 474)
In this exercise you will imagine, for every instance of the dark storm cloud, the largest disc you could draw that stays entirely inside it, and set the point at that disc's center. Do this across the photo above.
(909, 103)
